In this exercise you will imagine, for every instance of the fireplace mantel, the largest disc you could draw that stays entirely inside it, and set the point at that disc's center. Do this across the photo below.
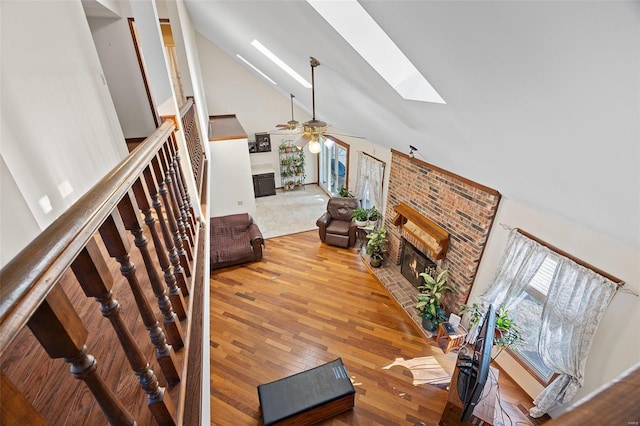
(432, 236)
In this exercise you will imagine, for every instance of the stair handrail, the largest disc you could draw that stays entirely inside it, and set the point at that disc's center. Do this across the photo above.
(27, 279)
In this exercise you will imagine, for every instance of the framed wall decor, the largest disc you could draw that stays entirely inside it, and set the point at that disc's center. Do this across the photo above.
(263, 142)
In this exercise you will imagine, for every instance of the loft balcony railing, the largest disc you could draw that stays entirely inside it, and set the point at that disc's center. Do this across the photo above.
(114, 289)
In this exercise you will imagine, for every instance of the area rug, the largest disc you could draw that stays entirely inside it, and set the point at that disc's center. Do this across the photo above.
(425, 370)
(290, 212)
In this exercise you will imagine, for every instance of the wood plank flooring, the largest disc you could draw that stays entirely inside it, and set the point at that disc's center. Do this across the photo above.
(306, 304)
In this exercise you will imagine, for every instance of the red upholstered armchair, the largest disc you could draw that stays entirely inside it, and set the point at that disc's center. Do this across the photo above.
(335, 226)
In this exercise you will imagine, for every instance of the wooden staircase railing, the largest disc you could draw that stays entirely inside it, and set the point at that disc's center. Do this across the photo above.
(194, 144)
(146, 190)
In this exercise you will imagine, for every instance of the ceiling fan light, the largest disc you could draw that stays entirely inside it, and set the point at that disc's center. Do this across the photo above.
(314, 146)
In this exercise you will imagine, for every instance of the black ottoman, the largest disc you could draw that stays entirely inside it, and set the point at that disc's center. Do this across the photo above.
(307, 397)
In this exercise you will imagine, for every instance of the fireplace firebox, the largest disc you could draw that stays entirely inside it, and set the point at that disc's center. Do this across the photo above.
(414, 263)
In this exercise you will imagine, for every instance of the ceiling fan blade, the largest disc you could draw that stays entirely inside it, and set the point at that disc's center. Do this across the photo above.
(302, 140)
(282, 126)
(344, 134)
(285, 132)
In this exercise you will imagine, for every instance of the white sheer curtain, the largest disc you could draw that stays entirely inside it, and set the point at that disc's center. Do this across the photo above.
(520, 261)
(369, 181)
(575, 305)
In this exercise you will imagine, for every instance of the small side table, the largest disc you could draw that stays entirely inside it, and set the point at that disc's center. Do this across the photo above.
(362, 233)
(454, 340)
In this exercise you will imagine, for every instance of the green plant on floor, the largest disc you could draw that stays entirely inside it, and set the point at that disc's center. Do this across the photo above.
(377, 246)
(429, 304)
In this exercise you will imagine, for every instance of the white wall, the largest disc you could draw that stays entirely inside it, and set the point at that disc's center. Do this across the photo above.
(195, 70)
(115, 47)
(58, 123)
(18, 226)
(231, 183)
(616, 346)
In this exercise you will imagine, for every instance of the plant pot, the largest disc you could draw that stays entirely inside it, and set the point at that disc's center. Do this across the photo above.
(428, 324)
(361, 223)
(375, 263)
(287, 149)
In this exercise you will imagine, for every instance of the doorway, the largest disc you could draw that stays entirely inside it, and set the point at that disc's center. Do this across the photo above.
(334, 165)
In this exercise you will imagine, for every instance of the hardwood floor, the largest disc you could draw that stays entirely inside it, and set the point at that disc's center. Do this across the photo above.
(306, 304)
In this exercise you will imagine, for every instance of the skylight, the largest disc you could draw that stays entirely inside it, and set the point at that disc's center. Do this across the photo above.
(359, 29)
(279, 62)
(256, 70)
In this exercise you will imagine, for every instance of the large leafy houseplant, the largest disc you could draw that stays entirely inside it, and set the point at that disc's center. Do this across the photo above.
(429, 304)
(377, 246)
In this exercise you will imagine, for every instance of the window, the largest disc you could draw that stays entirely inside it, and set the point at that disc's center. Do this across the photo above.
(334, 166)
(527, 313)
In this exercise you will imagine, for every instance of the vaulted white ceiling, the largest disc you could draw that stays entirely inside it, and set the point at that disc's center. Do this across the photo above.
(543, 98)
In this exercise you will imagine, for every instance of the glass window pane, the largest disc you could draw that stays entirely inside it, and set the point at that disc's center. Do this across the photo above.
(528, 315)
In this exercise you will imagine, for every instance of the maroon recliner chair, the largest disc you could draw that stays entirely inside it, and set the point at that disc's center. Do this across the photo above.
(335, 226)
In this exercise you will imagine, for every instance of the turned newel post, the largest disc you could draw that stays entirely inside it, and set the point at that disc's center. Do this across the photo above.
(61, 333)
(129, 212)
(175, 295)
(115, 239)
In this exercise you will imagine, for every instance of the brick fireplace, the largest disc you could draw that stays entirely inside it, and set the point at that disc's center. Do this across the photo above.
(463, 208)
(413, 263)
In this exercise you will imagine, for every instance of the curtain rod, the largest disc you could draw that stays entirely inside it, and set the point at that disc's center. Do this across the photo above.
(377, 159)
(581, 262)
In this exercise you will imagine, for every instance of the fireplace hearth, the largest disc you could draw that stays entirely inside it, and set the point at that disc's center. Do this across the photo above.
(414, 263)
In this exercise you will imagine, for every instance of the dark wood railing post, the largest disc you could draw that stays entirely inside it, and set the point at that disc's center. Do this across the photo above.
(173, 197)
(177, 260)
(61, 333)
(115, 239)
(171, 217)
(129, 212)
(175, 295)
(96, 281)
(181, 190)
(192, 137)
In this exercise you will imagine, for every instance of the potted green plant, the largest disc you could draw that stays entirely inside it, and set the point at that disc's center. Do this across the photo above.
(376, 246)
(344, 192)
(506, 334)
(373, 214)
(361, 216)
(285, 146)
(474, 311)
(429, 304)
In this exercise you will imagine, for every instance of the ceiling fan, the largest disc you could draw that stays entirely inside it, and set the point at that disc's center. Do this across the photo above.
(311, 130)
